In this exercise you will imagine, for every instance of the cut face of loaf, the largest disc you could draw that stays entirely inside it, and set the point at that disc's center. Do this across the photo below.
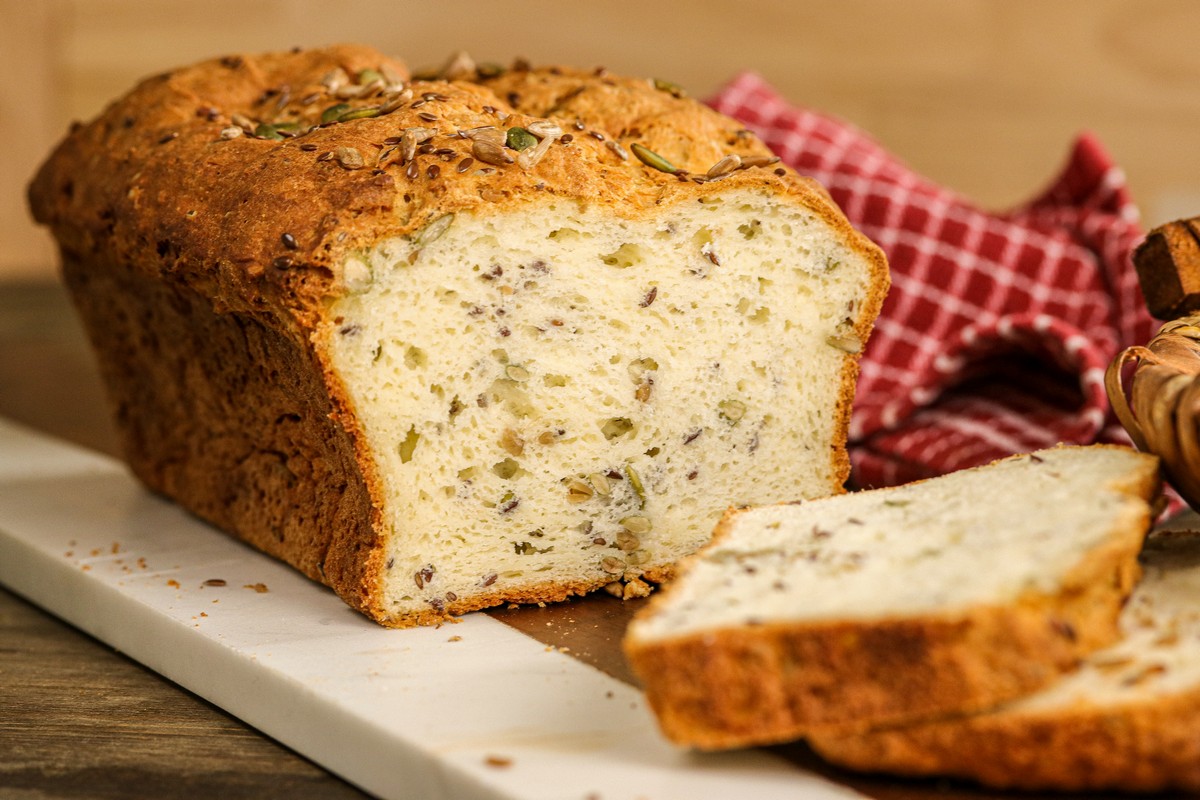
(852, 611)
(1126, 720)
(557, 399)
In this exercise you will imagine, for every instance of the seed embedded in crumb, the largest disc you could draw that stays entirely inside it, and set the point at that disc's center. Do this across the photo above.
(847, 344)
(636, 524)
(627, 542)
(232, 132)
(578, 492)
(611, 565)
(732, 410)
(511, 443)
(600, 484)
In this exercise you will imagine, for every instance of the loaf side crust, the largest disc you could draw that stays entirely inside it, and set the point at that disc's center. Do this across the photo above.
(1142, 739)
(1150, 747)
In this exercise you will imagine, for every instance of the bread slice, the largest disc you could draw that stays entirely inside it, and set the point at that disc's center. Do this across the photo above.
(948, 595)
(450, 343)
(1126, 720)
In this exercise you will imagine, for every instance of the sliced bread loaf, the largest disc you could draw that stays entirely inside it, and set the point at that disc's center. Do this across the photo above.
(453, 342)
(1127, 719)
(943, 596)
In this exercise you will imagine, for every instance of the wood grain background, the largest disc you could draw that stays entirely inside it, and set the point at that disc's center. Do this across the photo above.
(982, 95)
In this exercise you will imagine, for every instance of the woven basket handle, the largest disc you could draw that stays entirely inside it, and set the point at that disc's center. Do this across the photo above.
(1114, 385)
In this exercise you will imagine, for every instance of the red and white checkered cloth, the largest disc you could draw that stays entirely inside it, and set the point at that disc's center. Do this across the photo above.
(999, 326)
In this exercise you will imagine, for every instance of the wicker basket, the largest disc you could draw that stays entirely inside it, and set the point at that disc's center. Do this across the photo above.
(1155, 389)
(1161, 409)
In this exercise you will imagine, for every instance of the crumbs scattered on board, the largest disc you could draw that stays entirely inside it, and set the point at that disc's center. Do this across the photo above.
(261, 588)
(499, 762)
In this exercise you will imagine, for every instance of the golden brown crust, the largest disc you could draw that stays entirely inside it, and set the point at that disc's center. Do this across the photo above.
(247, 235)
(152, 183)
(1148, 747)
(765, 684)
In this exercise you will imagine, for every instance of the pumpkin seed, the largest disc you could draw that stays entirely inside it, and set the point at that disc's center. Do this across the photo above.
(673, 89)
(518, 138)
(652, 159)
(516, 372)
(635, 481)
(332, 113)
(265, 131)
(732, 410)
(369, 76)
(488, 69)
(365, 112)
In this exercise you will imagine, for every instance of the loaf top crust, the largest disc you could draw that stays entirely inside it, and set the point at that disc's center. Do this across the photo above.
(171, 179)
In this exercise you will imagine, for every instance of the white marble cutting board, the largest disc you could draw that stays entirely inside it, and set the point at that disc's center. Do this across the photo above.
(473, 710)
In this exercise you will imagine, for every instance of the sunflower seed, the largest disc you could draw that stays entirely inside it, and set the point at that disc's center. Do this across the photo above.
(460, 67)
(636, 524)
(578, 492)
(395, 102)
(617, 149)
(410, 139)
(847, 344)
(759, 161)
(627, 542)
(725, 166)
(490, 153)
(348, 158)
(613, 566)
(543, 128)
(334, 79)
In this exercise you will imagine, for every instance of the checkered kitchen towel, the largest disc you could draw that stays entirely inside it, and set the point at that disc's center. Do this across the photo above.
(998, 328)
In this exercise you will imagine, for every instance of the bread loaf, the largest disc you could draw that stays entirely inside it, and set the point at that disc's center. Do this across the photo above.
(491, 336)
(863, 609)
(1126, 720)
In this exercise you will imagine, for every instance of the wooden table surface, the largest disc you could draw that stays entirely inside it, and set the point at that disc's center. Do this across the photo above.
(78, 720)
